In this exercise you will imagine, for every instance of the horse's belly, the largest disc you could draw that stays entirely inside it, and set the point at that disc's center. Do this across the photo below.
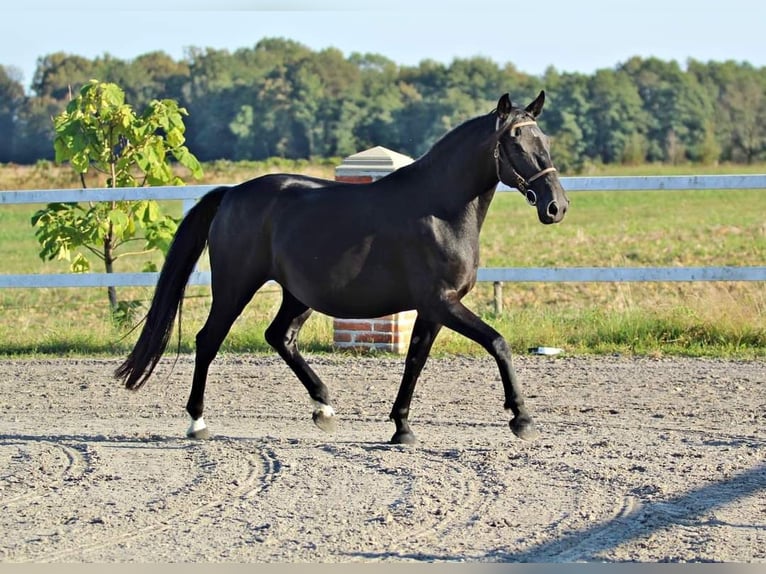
(347, 295)
(347, 308)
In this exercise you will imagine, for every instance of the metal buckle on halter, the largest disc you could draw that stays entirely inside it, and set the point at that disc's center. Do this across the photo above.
(523, 186)
(531, 196)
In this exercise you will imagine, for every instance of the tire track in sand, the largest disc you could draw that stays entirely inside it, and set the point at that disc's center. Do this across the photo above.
(436, 498)
(220, 479)
(38, 466)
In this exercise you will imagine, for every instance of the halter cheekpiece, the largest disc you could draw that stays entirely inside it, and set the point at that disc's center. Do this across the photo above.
(523, 185)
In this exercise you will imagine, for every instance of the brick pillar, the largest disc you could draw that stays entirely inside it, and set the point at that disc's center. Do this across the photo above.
(390, 333)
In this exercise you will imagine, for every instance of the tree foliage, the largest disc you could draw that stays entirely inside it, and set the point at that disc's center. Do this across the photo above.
(99, 131)
(280, 98)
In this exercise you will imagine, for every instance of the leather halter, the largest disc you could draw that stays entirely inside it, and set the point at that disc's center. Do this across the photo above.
(523, 185)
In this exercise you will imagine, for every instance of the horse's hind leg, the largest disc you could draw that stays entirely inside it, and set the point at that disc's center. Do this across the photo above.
(225, 309)
(423, 335)
(282, 334)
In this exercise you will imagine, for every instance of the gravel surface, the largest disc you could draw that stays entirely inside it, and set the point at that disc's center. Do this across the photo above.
(639, 460)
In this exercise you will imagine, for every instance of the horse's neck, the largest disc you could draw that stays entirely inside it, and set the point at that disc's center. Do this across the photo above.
(460, 173)
(472, 215)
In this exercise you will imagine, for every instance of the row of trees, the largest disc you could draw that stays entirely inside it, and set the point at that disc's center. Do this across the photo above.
(281, 98)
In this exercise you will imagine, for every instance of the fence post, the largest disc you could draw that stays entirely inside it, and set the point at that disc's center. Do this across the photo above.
(390, 333)
(498, 290)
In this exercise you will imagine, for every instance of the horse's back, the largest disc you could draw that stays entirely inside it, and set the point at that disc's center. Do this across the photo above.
(251, 203)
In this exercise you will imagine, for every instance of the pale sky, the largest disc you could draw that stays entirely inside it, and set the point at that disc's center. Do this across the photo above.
(570, 35)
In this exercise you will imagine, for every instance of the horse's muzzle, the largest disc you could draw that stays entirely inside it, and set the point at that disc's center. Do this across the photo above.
(554, 212)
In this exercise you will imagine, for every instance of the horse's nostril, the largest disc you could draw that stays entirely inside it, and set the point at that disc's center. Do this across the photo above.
(553, 209)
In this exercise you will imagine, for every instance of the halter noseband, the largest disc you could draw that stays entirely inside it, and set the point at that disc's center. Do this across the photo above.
(523, 185)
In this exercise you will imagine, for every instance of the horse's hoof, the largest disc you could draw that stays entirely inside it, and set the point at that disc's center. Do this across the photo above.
(198, 430)
(201, 434)
(407, 437)
(523, 427)
(325, 420)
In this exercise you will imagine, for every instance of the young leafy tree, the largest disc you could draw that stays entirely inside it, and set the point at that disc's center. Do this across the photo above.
(99, 131)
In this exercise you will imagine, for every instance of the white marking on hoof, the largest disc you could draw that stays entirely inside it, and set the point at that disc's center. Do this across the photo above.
(197, 428)
(323, 409)
(324, 417)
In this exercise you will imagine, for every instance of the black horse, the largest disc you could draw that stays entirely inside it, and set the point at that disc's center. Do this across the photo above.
(407, 241)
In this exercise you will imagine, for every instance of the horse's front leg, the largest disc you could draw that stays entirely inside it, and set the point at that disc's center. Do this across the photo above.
(423, 336)
(460, 319)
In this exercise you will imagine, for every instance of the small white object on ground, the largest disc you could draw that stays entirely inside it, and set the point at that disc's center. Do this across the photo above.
(545, 350)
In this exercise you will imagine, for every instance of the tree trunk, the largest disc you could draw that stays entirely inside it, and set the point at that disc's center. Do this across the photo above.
(109, 266)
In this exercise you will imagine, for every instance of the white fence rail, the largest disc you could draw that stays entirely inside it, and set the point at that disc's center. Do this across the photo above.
(188, 194)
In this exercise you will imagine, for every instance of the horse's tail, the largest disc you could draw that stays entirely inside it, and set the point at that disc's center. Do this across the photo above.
(187, 246)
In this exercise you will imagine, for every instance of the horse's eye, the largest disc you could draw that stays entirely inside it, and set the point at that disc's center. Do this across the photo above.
(517, 132)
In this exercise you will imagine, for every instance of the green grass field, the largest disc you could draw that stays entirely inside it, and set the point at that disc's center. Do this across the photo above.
(651, 228)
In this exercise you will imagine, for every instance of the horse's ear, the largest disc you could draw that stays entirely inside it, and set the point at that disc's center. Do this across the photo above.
(536, 107)
(504, 107)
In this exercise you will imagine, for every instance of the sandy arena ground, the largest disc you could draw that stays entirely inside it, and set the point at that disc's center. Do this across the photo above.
(639, 460)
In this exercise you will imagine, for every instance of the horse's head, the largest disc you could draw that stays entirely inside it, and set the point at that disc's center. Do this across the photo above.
(523, 159)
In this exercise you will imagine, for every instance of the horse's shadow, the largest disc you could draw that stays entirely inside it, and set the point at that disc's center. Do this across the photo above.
(176, 441)
(117, 440)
